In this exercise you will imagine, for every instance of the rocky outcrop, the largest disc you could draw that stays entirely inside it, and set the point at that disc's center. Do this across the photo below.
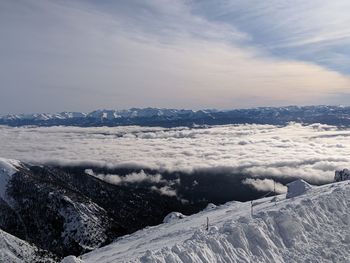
(342, 175)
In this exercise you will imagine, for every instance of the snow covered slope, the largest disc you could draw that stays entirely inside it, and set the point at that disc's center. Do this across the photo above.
(69, 212)
(7, 168)
(313, 227)
(15, 250)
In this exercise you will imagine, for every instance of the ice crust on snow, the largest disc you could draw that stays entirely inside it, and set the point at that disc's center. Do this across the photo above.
(311, 228)
(297, 188)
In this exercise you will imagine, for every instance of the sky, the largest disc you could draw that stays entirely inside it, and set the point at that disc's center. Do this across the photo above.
(60, 55)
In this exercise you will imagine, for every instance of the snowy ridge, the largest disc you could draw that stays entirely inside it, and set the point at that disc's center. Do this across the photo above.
(82, 225)
(103, 114)
(332, 115)
(15, 250)
(44, 116)
(312, 227)
(7, 168)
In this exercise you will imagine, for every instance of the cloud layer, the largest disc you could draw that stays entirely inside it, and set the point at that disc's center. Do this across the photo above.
(159, 184)
(311, 152)
(266, 185)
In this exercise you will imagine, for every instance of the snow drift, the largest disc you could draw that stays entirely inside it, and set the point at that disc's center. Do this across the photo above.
(311, 227)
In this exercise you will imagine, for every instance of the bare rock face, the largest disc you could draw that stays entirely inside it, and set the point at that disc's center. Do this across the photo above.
(342, 175)
(297, 188)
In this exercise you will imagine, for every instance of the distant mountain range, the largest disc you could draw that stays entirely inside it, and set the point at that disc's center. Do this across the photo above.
(333, 115)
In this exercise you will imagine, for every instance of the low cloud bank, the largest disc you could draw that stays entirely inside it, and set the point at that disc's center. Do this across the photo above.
(266, 185)
(127, 179)
(312, 152)
(159, 184)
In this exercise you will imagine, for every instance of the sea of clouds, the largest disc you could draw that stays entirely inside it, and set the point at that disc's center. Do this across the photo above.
(311, 152)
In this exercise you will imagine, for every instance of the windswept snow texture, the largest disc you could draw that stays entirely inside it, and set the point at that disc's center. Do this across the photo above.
(314, 227)
(311, 152)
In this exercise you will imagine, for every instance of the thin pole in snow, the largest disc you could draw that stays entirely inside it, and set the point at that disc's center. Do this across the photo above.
(207, 224)
(274, 191)
(251, 208)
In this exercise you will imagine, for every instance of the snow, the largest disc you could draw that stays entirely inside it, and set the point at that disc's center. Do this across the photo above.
(172, 217)
(7, 168)
(81, 225)
(15, 250)
(11, 247)
(297, 188)
(103, 113)
(210, 206)
(311, 227)
(71, 259)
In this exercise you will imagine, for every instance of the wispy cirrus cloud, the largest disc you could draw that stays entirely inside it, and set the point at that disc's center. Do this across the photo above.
(82, 55)
(313, 31)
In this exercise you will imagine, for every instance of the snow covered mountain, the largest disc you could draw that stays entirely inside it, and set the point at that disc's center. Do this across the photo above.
(15, 250)
(99, 116)
(333, 115)
(68, 211)
(313, 226)
(37, 206)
